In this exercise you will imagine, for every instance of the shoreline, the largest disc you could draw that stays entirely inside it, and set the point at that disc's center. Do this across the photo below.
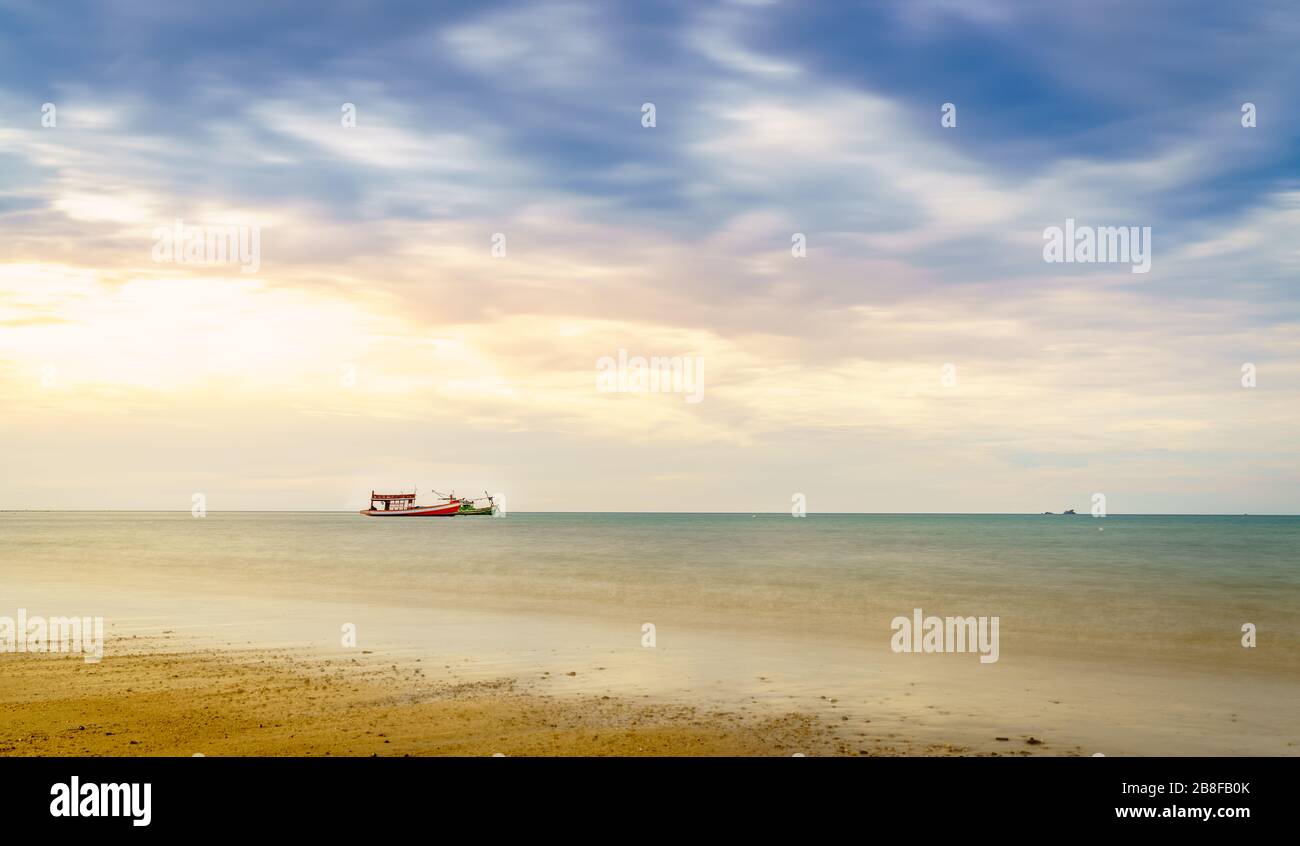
(740, 697)
(278, 702)
(172, 695)
(153, 698)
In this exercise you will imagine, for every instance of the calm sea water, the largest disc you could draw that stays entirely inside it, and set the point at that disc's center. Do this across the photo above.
(1107, 605)
(1168, 583)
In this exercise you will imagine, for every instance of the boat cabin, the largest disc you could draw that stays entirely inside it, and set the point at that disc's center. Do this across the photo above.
(391, 502)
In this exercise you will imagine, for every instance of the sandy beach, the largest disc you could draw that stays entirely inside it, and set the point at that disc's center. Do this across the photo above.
(152, 700)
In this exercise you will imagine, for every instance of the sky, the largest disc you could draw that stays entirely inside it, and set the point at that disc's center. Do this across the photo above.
(834, 214)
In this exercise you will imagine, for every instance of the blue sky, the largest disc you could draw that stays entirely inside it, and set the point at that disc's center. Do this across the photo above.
(1034, 85)
(772, 118)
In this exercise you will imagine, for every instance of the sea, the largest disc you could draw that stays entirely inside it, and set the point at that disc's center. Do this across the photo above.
(1125, 634)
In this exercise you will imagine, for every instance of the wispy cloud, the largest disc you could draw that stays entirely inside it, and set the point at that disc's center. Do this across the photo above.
(518, 125)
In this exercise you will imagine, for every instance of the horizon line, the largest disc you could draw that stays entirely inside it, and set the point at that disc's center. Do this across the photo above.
(766, 513)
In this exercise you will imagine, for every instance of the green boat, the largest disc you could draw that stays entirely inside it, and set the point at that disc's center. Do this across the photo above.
(471, 506)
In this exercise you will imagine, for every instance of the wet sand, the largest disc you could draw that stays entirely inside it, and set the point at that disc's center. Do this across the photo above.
(265, 702)
(181, 692)
(179, 695)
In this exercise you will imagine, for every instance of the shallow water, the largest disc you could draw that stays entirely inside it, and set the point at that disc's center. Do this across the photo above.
(1122, 632)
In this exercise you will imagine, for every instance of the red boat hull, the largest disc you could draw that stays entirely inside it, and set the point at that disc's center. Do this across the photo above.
(446, 509)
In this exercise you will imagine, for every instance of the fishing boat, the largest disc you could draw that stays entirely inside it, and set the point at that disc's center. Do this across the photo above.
(403, 505)
(471, 506)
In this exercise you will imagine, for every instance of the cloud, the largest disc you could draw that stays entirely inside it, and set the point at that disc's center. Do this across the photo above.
(924, 249)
